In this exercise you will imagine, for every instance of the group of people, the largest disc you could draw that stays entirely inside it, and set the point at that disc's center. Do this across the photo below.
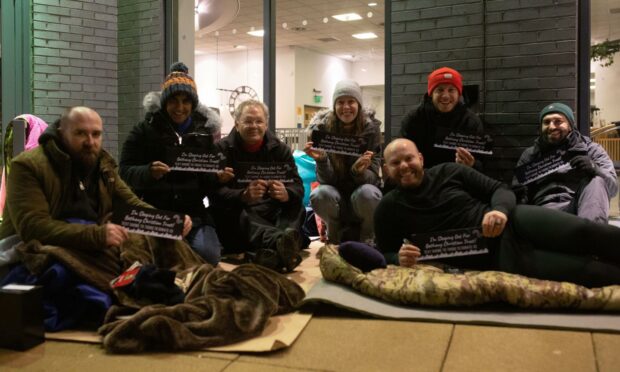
(62, 192)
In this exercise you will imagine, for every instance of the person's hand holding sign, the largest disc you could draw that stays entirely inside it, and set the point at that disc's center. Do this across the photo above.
(493, 223)
(314, 153)
(408, 254)
(464, 157)
(158, 169)
(225, 175)
(362, 163)
(278, 191)
(255, 191)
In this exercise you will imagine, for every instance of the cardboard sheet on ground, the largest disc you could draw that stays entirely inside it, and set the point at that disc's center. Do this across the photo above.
(281, 331)
(336, 294)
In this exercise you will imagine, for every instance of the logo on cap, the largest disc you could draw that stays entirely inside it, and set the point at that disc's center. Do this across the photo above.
(447, 75)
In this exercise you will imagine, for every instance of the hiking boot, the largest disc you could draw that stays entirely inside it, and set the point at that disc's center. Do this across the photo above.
(267, 258)
(288, 249)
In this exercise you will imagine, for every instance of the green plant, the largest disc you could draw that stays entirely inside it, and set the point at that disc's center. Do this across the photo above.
(605, 51)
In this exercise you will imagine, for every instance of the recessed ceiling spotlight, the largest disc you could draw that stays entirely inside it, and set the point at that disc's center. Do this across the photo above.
(304, 23)
(347, 17)
(369, 14)
(325, 20)
(285, 25)
(257, 33)
(365, 35)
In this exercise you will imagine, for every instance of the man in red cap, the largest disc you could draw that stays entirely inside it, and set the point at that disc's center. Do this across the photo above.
(441, 112)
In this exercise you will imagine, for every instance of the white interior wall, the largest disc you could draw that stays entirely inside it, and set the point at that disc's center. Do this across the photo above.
(285, 86)
(298, 72)
(320, 72)
(186, 34)
(605, 93)
(228, 71)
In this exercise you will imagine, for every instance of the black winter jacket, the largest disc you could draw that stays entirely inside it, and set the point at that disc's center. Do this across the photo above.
(148, 141)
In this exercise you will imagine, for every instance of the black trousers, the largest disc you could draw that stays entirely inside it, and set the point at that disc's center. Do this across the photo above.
(549, 244)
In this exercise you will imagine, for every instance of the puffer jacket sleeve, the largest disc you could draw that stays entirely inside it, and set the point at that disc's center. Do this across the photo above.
(606, 168)
(134, 166)
(30, 213)
(371, 174)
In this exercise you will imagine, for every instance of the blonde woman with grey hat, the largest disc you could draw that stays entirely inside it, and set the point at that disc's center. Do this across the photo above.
(349, 185)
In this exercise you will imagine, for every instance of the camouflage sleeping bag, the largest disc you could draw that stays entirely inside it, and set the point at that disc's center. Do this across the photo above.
(429, 286)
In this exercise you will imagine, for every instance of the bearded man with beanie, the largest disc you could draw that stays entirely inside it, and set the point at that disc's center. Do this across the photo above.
(175, 119)
(583, 189)
(440, 113)
(349, 185)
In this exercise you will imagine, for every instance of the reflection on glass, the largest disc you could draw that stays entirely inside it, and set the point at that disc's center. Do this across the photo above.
(314, 50)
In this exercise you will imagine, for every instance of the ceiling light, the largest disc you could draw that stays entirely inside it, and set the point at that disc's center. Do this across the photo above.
(239, 46)
(257, 33)
(325, 20)
(347, 17)
(369, 14)
(365, 35)
(372, 4)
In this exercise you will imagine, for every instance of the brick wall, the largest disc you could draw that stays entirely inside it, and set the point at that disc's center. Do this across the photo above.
(75, 60)
(141, 58)
(521, 53)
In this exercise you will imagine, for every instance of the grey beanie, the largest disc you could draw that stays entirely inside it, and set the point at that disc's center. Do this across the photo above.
(559, 108)
(347, 88)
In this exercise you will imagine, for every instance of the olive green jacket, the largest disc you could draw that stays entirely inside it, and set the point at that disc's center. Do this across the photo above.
(38, 188)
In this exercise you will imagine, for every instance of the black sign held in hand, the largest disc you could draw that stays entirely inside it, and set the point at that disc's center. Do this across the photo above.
(472, 142)
(248, 172)
(541, 167)
(450, 243)
(339, 143)
(153, 222)
(194, 159)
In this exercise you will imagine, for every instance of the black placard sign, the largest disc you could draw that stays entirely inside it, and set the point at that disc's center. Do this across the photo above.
(541, 167)
(154, 222)
(472, 142)
(450, 243)
(248, 172)
(194, 159)
(339, 143)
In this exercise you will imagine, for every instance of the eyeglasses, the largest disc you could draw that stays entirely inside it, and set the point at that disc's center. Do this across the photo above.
(257, 122)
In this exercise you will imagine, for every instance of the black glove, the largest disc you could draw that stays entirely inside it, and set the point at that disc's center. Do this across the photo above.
(585, 164)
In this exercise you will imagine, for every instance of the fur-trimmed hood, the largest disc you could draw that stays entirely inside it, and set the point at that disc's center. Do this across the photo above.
(152, 104)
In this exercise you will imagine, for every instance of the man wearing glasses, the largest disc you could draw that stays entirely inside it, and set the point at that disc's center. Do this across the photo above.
(585, 187)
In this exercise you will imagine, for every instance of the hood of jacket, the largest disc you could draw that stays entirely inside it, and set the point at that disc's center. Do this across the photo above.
(152, 105)
(51, 143)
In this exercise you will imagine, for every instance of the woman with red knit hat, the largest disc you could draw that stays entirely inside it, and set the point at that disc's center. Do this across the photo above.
(440, 113)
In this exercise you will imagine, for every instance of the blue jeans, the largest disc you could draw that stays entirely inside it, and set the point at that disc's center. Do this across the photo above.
(203, 239)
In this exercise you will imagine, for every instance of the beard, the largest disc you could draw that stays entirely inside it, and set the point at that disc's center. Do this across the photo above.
(85, 159)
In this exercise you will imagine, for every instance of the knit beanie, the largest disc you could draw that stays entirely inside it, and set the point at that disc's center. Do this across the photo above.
(348, 88)
(179, 81)
(445, 75)
(559, 108)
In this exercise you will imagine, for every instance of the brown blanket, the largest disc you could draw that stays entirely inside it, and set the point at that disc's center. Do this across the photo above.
(220, 307)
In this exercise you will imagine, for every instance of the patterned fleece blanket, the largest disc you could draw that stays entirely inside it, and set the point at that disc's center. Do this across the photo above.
(429, 286)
